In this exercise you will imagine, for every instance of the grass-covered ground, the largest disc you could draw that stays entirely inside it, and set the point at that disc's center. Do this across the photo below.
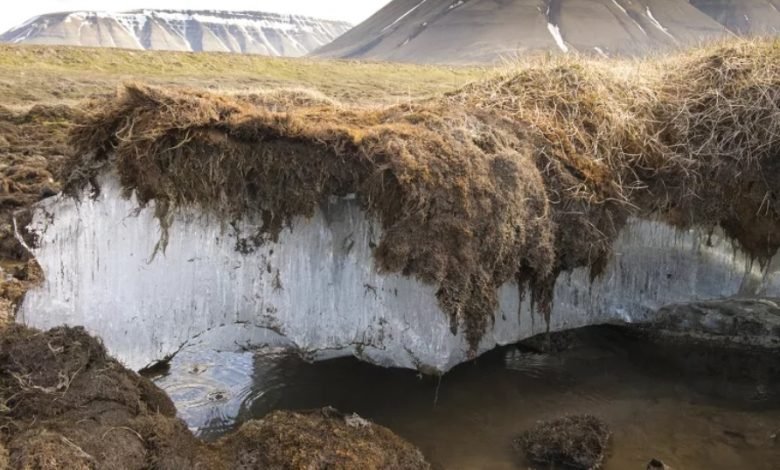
(44, 74)
(41, 88)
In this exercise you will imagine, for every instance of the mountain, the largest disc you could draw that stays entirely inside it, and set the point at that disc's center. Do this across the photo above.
(469, 31)
(744, 16)
(245, 32)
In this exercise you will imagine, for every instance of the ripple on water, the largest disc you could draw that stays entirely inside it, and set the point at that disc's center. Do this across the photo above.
(208, 387)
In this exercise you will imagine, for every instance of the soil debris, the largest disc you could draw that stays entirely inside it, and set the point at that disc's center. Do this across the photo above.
(64, 403)
(320, 439)
(576, 442)
(519, 177)
(33, 145)
(15, 279)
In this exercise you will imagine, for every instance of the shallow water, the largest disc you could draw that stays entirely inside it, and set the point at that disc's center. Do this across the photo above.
(693, 408)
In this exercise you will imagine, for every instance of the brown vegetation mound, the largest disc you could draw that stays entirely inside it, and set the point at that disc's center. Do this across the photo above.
(574, 442)
(320, 439)
(65, 404)
(518, 177)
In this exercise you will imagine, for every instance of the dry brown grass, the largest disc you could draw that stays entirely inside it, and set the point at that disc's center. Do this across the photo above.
(521, 176)
(41, 88)
(32, 74)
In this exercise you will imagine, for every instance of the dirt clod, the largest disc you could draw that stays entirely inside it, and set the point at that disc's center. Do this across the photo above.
(576, 442)
(321, 439)
(64, 403)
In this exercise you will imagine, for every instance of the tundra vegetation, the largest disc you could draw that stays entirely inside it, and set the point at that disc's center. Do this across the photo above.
(42, 88)
(520, 176)
(478, 178)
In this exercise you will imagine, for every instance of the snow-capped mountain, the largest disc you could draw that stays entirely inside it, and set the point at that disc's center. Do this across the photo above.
(469, 31)
(224, 31)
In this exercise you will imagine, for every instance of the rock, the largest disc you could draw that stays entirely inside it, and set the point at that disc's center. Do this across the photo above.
(576, 442)
(656, 464)
(739, 321)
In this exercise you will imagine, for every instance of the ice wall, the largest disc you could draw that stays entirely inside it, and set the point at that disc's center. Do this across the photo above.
(318, 288)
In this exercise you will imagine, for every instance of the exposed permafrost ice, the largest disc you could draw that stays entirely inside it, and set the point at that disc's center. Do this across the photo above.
(318, 289)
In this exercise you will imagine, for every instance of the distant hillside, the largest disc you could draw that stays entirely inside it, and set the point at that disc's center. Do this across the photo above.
(744, 17)
(473, 31)
(220, 31)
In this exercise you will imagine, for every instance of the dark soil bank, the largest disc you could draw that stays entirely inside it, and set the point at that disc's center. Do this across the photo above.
(64, 403)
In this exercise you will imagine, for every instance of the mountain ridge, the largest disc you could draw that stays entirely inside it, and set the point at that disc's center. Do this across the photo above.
(249, 32)
(480, 31)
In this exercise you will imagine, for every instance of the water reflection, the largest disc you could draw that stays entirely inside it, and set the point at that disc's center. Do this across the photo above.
(691, 407)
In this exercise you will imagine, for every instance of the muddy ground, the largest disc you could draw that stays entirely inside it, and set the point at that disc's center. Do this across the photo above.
(32, 148)
(64, 403)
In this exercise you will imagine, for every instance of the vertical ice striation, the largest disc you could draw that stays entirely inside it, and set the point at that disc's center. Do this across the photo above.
(317, 289)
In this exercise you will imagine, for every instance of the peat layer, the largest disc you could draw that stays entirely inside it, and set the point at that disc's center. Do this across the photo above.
(33, 145)
(521, 176)
(64, 403)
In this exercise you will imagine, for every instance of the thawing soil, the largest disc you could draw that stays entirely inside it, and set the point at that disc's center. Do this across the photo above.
(32, 148)
(42, 88)
(64, 403)
(522, 176)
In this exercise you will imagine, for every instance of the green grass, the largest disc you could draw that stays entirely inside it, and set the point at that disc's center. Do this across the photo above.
(46, 74)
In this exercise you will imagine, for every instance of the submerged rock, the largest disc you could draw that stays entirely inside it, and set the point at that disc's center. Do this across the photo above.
(64, 403)
(744, 322)
(656, 464)
(576, 442)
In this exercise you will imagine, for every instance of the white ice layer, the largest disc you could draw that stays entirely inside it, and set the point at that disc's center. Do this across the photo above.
(318, 289)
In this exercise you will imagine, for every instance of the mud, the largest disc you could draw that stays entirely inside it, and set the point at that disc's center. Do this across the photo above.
(64, 403)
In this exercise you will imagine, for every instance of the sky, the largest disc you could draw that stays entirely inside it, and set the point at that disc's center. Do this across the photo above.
(16, 12)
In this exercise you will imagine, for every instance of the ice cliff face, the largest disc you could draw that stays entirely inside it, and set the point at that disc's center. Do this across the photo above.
(222, 31)
(317, 289)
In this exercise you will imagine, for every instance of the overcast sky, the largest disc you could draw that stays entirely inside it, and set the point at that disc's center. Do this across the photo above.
(16, 12)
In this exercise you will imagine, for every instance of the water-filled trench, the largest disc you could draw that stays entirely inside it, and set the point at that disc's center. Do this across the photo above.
(693, 407)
